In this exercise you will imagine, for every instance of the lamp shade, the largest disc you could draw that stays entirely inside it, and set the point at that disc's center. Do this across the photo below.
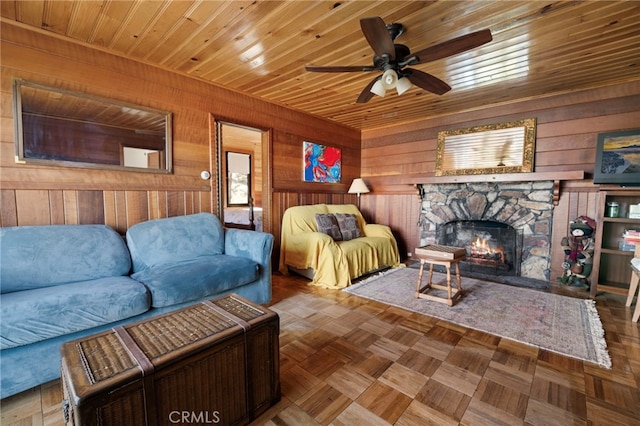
(403, 85)
(378, 89)
(358, 187)
(389, 79)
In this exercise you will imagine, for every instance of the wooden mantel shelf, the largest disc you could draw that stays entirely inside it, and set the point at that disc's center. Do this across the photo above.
(556, 177)
(505, 177)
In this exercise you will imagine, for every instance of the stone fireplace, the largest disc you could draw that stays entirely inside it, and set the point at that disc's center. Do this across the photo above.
(504, 226)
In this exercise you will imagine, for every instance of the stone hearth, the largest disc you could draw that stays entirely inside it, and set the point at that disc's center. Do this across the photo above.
(526, 206)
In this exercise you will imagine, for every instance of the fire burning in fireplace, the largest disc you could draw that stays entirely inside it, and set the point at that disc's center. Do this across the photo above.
(492, 247)
(481, 250)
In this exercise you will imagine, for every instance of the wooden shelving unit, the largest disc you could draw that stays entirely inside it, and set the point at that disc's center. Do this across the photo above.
(611, 270)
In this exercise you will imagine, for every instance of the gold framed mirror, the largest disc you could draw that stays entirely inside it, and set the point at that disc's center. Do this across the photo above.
(489, 149)
(58, 127)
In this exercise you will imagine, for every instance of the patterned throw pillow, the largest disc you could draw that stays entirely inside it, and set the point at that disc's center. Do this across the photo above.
(328, 224)
(348, 224)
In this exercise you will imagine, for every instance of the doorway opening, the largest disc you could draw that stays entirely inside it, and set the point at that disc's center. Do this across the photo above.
(242, 184)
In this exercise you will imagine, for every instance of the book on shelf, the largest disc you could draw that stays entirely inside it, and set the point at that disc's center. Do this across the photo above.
(631, 236)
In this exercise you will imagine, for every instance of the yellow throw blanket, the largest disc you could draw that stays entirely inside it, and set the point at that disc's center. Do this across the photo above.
(334, 263)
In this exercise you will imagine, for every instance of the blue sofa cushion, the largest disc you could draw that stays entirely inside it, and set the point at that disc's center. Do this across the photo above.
(33, 315)
(43, 256)
(196, 278)
(174, 240)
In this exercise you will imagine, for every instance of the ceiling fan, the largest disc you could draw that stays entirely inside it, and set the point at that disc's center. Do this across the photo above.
(391, 59)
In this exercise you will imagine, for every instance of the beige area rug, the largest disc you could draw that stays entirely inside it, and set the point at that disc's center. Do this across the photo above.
(566, 325)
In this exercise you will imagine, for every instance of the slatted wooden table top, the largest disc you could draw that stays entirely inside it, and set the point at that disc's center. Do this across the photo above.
(440, 252)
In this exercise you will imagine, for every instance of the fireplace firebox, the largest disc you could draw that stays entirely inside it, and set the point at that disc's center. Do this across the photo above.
(493, 248)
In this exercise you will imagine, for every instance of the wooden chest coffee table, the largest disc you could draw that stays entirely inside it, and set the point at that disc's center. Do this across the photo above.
(214, 362)
(440, 255)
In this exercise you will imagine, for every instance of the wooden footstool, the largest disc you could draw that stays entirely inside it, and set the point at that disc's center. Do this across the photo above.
(440, 255)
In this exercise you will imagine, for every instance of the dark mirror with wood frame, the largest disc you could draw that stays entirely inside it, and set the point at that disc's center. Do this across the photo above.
(59, 127)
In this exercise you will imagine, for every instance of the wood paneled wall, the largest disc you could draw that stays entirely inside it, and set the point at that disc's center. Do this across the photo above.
(566, 136)
(117, 208)
(567, 130)
(35, 195)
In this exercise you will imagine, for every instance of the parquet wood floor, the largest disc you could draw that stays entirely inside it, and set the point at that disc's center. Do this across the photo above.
(349, 361)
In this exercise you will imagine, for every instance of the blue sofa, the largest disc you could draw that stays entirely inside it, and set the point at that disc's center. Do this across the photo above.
(63, 282)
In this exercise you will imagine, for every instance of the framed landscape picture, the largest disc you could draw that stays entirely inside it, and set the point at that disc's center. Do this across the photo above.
(321, 163)
(618, 158)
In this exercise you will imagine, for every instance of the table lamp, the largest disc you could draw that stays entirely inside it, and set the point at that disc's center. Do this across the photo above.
(358, 187)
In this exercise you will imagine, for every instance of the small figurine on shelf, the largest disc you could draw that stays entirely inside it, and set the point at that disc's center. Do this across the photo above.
(578, 252)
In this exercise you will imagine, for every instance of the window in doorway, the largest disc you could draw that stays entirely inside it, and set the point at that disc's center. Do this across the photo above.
(238, 178)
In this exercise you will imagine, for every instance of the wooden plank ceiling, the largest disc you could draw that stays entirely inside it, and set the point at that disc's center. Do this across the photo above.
(261, 47)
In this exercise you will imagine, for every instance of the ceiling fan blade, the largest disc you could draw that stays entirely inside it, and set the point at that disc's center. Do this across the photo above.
(356, 68)
(427, 81)
(377, 34)
(453, 46)
(366, 94)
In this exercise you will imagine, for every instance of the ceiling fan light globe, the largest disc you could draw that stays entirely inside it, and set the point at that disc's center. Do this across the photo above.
(378, 89)
(389, 79)
(403, 85)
